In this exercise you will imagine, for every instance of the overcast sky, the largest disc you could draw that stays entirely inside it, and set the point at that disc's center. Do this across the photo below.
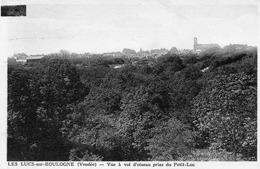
(111, 25)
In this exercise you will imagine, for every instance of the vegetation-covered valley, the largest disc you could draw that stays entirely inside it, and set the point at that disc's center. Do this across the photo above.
(175, 107)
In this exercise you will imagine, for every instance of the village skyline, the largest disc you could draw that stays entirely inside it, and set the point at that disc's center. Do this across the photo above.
(127, 52)
(100, 27)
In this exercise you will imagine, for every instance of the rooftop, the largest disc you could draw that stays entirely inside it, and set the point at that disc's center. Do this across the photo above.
(34, 57)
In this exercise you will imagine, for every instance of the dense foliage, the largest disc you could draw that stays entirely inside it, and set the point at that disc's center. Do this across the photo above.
(71, 107)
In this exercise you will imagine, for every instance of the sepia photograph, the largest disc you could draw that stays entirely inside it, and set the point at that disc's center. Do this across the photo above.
(130, 80)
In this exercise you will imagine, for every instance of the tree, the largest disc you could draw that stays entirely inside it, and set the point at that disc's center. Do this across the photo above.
(90, 129)
(227, 109)
(133, 124)
(39, 96)
(140, 112)
(93, 76)
(183, 87)
(171, 62)
(172, 140)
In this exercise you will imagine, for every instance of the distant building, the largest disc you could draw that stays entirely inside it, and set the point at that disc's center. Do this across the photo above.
(202, 47)
(118, 54)
(185, 51)
(233, 47)
(21, 61)
(20, 56)
(162, 51)
(129, 52)
(144, 53)
(109, 54)
(113, 54)
(159, 52)
(34, 58)
(173, 50)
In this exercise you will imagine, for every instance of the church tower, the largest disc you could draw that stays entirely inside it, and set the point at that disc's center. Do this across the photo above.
(195, 43)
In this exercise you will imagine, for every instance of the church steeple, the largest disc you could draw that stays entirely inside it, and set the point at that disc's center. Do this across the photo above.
(195, 43)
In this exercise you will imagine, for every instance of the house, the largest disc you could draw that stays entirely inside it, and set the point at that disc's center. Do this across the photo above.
(109, 54)
(129, 52)
(20, 56)
(159, 52)
(21, 61)
(34, 58)
(143, 53)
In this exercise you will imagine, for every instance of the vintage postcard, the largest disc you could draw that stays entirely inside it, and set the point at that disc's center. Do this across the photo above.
(129, 84)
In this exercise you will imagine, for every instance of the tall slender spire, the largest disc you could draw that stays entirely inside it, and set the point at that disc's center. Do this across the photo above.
(195, 43)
